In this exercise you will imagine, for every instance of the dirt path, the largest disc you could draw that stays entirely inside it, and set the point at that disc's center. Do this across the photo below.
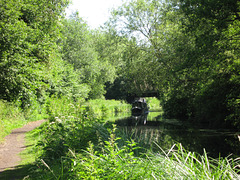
(13, 145)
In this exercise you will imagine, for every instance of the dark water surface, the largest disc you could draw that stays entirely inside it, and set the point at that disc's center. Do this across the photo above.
(152, 127)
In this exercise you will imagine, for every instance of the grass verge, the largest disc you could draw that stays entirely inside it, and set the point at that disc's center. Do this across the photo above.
(28, 156)
(75, 144)
(12, 117)
(110, 158)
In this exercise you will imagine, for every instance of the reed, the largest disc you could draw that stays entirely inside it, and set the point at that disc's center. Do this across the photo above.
(108, 108)
(107, 160)
(77, 145)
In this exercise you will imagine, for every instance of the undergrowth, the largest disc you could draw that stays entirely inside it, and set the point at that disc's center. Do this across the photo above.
(105, 108)
(106, 157)
(112, 162)
(78, 145)
(12, 116)
(153, 103)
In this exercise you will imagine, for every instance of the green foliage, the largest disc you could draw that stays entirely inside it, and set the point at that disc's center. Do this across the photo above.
(11, 117)
(74, 145)
(72, 124)
(104, 108)
(153, 103)
(216, 56)
(80, 47)
(185, 50)
(29, 30)
(107, 160)
(188, 50)
(64, 81)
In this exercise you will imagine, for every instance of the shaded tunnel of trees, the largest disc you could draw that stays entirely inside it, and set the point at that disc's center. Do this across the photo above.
(187, 50)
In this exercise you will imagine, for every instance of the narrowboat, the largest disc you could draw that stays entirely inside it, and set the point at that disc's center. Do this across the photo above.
(139, 106)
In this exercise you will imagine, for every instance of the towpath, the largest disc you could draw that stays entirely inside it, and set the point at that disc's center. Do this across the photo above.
(14, 143)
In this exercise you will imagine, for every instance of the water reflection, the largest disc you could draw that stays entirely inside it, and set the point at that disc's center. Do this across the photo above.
(146, 129)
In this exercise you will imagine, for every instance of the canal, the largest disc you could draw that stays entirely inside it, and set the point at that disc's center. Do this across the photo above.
(152, 130)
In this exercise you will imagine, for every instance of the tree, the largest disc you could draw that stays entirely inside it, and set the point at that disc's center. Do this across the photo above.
(157, 25)
(81, 48)
(29, 30)
(194, 47)
(215, 27)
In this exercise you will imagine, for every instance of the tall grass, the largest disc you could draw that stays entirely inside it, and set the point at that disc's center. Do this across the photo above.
(75, 144)
(107, 160)
(11, 117)
(153, 103)
(105, 108)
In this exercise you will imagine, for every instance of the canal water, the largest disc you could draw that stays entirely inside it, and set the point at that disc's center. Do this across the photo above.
(151, 129)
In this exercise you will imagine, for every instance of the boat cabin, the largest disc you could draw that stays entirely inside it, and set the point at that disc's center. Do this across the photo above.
(139, 106)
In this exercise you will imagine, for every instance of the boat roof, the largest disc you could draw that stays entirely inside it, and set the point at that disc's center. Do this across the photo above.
(139, 100)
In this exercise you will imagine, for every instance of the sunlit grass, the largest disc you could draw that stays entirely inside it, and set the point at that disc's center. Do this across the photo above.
(107, 160)
(108, 108)
(76, 145)
(153, 103)
(11, 117)
(32, 152)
